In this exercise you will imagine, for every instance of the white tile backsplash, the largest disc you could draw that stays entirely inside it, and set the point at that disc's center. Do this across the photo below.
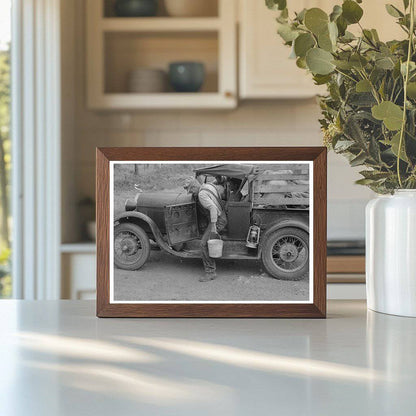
(259, 123)
(346, 219)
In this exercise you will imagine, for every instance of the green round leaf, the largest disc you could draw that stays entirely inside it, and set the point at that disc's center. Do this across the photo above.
(385, 63)
(319, 61)
(393, 11)
(342, 64)
(358, 61)
(276, 4)
(351, 11)
(391, 114)
(411, 90)
(403, 66)
(333, 32)
(328, 40)
(286, 32)
(375, 35)
(303, 43)
(316, 20)
(324, 42)
(342, 25)
(301, 63)
(321, 79)
(394, 144)
(363, 86)
(301, 15)
(347, 37)
(336, 12)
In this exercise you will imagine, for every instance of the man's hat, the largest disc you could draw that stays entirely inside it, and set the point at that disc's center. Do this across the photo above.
(192, 185)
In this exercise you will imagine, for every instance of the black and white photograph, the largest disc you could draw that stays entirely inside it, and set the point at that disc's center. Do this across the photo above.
(219, 232)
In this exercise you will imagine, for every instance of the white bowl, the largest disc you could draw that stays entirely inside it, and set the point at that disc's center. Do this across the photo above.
(191, 8)
(92, 230)
(146, 80)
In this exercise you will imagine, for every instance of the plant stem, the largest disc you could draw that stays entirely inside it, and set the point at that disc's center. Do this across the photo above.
(373, 89)
(397, 95)
(345, 75)
(369, 41)
(406, 80)
(392, 90)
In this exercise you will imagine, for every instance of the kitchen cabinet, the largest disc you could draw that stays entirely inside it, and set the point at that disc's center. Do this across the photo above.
(118, 45)
(78, 271)
(265, 70)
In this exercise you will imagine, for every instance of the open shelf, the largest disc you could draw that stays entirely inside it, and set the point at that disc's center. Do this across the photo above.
(130, 101)
(127, 51)
(160, 24)
(80, 247)
(211, 9)
(116, 46)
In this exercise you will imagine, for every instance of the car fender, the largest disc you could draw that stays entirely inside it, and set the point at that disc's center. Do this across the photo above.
(283, 224)
(138, 218)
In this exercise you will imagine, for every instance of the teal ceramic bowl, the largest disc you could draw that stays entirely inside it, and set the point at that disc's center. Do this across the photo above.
(186, 76)
(135, 8)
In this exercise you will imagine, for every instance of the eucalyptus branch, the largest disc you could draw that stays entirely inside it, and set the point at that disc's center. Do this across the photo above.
(392, 90)
(373, 89)
(369, 41)
(406, 80)
(346, 75)
(368, 127)
(404, 29)
(398, 95)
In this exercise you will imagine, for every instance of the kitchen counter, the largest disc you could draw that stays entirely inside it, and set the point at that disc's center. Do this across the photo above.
(58, 359)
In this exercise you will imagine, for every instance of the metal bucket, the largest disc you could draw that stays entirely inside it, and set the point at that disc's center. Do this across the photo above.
(215, 247)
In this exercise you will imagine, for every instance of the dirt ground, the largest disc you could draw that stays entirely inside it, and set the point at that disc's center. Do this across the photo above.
(165, 277)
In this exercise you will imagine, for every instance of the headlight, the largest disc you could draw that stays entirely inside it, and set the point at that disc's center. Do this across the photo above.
(130, 205)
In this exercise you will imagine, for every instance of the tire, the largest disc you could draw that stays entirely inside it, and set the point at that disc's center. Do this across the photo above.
(285, 254)
(131, 246)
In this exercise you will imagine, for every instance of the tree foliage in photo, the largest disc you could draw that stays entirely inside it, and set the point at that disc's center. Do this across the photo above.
(369, 112)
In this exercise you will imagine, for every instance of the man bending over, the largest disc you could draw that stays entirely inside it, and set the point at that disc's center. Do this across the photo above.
(210, 197)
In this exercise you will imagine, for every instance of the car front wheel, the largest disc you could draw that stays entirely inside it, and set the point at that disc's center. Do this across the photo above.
(285, 254)
(131, 246)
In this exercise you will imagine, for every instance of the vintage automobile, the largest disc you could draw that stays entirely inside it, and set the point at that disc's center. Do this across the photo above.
(267, 212)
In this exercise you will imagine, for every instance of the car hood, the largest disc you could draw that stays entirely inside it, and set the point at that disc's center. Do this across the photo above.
(162, 199)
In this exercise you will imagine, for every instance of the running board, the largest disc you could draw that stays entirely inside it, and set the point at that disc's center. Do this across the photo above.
(233, 250)
(196, 254)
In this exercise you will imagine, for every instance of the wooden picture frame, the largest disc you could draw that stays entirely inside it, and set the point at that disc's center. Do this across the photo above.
(314, 308)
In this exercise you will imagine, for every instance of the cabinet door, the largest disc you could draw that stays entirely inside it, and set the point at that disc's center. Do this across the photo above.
(78, 276)
(265, 68)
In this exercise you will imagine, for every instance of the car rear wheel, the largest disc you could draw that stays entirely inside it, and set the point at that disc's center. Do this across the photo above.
(285, 254)
(131, 246)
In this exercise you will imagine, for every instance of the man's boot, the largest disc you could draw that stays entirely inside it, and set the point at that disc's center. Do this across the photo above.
(208, 277)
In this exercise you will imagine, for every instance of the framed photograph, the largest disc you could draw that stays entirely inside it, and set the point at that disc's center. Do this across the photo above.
(211, 232)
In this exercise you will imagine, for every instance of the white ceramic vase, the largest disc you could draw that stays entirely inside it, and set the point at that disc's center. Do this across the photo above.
(391, 253)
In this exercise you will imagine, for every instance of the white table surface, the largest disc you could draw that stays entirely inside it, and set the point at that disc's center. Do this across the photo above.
(57, 359)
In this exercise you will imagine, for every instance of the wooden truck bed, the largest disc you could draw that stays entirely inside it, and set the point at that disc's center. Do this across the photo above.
(289, 186)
